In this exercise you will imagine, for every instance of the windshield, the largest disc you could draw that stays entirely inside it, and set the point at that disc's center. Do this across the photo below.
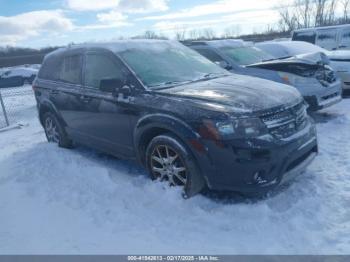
(169, 65)
(246, 55)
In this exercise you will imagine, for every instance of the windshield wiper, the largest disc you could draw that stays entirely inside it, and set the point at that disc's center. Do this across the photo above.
(212, 75)
(168, 84)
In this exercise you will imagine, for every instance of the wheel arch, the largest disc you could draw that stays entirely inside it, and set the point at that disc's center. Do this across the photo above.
(47, 106)
(156, 124)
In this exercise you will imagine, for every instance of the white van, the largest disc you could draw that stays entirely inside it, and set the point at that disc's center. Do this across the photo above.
(330, 37)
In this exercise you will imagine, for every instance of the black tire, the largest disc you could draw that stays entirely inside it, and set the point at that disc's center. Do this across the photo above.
(194, 181)
(58, 136)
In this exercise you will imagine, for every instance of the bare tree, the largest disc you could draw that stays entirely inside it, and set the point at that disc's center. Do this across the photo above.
(150, 35)
(232, 31)
(308, 13)
(180, 33)
(208, 33)
(345, 5)
(194, 34)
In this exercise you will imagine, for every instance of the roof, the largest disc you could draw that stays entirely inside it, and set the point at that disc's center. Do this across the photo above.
(122, 45)
(219, 43)
(322, 27)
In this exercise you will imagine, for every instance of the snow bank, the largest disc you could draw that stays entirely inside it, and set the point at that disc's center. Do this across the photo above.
(59, 201)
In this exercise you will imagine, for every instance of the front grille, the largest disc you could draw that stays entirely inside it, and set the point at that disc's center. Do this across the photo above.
(284, 123)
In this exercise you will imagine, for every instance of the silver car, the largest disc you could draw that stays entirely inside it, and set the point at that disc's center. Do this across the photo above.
(339, 59)
(311, 75)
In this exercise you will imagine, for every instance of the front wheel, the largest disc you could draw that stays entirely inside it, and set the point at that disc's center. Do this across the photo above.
(169, 160)
(54, 131)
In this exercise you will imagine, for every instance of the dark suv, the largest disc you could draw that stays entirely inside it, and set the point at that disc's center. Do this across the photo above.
(185, 119)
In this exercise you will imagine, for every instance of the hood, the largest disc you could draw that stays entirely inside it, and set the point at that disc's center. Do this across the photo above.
(237, 93)
(318, 58)
(306, 65)
(339, 55)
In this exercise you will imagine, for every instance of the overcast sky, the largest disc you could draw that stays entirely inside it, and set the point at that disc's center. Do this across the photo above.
(38, 23)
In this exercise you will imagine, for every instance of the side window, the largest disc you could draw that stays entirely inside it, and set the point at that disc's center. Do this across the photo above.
(307, 36)
(210, 54)
(327, 39)
(100, 67)
(51, 68)
(345, 39)
(71, 69)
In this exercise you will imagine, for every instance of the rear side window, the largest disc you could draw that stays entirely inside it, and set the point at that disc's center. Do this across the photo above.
(51, 68)
(308, 36)
(345, 39)
(327, 39)
(210, 54)
(71, 69)
(101, 67)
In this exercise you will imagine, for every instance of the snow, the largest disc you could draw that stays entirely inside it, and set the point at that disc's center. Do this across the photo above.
(18, 71)
(234, 43)
(119, 46)
(289, 48)
(60, 201)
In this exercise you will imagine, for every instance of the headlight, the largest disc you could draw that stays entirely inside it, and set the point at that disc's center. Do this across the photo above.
(289, 79)
(235, 128)
(295, 80)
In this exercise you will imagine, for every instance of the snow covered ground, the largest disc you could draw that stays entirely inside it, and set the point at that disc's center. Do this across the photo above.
(58, 201)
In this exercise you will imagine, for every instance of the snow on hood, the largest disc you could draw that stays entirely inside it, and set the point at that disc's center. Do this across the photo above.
(240, 93)
(310, 59)
(289, 48)
(339, 54)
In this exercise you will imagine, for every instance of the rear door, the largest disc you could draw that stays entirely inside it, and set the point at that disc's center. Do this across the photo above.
(66, 92)
(107, 118)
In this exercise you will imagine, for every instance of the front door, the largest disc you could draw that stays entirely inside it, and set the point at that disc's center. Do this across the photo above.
(107, 124)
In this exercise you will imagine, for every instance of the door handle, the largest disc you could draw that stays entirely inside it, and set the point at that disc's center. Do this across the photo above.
(54, 92)
(85, 99)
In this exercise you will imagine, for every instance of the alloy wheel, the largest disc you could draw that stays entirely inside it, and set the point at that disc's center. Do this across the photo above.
(167, 165)
(51, 130)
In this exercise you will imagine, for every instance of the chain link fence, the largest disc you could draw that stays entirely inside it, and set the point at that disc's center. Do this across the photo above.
(13, 104)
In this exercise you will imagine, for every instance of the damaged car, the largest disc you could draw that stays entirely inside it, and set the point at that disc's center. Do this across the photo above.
(186, 120)
(312, 76)
(339, 60)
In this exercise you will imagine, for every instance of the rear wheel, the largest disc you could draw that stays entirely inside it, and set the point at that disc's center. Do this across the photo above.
(169, 160)
(54, 131)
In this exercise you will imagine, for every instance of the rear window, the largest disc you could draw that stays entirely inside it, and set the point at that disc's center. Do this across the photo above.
(50, 70)
(308, 36)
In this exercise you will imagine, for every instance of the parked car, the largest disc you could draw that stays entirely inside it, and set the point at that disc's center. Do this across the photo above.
(329, 37)
(314, 79)
(17, 76)
(339, 59)
(188, 121)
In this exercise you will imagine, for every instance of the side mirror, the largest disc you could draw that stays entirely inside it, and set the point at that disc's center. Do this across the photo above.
(124, 92)
(111, 85)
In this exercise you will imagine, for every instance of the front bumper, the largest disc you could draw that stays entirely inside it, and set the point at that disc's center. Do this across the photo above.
(324, 97)
(258, 165)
